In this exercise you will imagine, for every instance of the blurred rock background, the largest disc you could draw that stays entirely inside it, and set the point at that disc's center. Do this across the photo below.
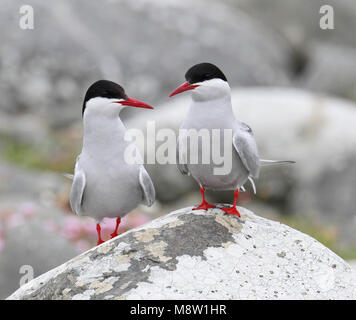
(294, 83)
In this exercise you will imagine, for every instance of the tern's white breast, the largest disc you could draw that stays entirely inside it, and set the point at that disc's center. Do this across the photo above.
(112, 184)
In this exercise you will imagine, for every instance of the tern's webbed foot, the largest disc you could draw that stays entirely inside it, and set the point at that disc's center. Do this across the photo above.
(114, 234)
(204, 206)
(232, 211)
(98, 229)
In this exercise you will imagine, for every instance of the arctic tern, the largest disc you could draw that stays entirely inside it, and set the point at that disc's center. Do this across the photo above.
(211, 109)
(104, 184)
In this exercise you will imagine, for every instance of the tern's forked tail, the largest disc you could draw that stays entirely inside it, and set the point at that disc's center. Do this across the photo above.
(67, 175)
(264, 162)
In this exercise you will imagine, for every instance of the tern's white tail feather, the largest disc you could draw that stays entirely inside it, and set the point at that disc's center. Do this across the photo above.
(253, 184)
(264, 162)
(68, 175)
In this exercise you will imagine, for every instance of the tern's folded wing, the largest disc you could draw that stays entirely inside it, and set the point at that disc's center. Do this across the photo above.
(245, 145)
(77, 191)
(147, 187)
(181, 155)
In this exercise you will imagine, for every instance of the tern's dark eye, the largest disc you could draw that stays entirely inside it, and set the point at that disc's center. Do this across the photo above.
(108, 93)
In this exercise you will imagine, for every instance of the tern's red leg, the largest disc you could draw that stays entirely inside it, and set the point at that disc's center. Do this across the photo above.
(98, 230)
(114, 234)
(233, 209)
(204, 205)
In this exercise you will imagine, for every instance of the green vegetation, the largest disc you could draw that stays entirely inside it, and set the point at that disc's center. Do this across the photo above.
(54, 155)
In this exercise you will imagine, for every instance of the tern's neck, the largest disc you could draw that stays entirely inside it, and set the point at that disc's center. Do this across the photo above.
(216, 110)
(102, 131)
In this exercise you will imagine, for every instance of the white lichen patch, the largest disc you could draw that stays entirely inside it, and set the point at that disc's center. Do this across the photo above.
(95, 284)
(123, 258)
(66, 291)
(176, 223)
(105, 248)
(125, 285)
(92, 271)
(226, 244)
(79, 284)
(146, 235)
(157, 249)
(105, 287)
(229, 222)
(267, 260)
(83, 296)
(168, 219)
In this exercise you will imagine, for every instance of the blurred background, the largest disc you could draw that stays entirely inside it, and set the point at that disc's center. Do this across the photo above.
(292, 82)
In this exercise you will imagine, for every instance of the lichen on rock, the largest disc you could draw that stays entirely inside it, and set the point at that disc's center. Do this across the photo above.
(201, 255)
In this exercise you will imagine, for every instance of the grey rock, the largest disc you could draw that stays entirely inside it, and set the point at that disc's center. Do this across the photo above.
(138, 44)
(30, 183)
(331, 68)
(201, 255)
(25, 128)
(298, 21)
(29, 241)
(322, 60)
(31, 245)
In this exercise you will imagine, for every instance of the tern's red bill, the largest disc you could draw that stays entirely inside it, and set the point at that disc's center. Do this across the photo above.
(134, 103)
(183, 87)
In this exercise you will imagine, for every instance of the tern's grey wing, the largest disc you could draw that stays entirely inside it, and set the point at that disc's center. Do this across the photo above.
(181, 156)
(245, 145)
(77, 191)
(147, 187)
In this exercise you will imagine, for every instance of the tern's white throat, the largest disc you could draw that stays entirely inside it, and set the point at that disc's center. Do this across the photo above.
(211, 90)
(102, 123)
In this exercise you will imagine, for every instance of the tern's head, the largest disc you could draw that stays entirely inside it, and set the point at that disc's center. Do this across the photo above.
(108, 98)
(206, 81)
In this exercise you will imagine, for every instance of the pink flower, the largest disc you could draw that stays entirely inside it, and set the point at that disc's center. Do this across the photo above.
(139, 219)
(2, 243)
(89, 228)
(50, 226)
(14, 220)
(28, 209)
(71, 228)
(82, 245)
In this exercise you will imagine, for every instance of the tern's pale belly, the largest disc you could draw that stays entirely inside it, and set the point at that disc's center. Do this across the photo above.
(111, 195)
(204, 174)
(235, 172)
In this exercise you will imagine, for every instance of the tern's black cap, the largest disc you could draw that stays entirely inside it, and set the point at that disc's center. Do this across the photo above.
(104, 89)
(204, 71)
